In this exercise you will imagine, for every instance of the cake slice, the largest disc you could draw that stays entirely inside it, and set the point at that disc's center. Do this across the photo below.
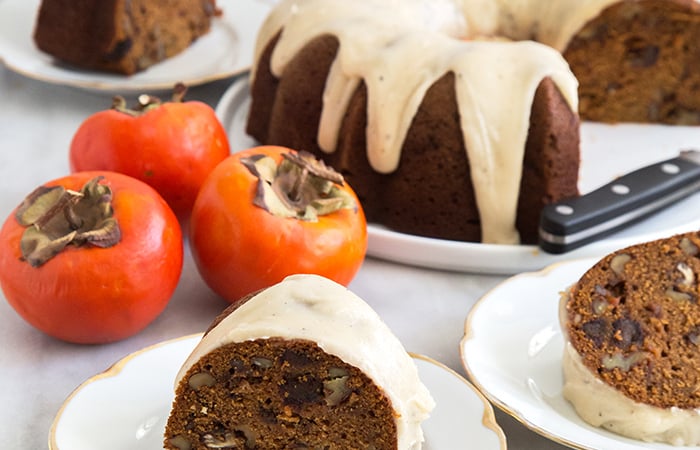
(632, 357)
(302, 364)
(122, 36)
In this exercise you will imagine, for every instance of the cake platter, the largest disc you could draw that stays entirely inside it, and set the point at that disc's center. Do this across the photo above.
(127, 405)
(607, 152)
(224, 52)
(520, 371)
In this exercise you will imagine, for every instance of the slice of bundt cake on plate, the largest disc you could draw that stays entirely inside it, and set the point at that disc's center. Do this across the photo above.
(302, 364)
(632, 352)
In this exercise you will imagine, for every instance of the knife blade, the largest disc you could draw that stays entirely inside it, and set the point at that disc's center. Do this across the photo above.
(572, 223)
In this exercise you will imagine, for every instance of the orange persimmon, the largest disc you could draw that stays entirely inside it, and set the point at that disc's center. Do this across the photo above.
(269, 212)
(93, 257)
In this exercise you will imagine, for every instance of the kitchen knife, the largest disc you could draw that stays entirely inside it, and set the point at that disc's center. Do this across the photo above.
(570, 224)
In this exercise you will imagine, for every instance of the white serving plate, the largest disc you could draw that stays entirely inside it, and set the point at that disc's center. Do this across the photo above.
(607, 152)
(512, 351)
(224, 52)
(127, 406)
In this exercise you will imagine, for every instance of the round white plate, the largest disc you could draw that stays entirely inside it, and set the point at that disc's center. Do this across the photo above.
(223, 52)
(512, 351)
(127, 406)
(607, 151)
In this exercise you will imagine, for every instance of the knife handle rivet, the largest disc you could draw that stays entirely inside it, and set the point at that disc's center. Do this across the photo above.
(564, 210)
(620, 189)
(670, 169)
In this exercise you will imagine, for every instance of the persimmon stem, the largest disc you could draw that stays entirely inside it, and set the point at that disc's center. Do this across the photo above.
(301, 180)
(179, 92)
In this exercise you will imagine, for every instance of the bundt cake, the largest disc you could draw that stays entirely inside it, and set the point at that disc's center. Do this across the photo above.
(632, 354)
(122, 36)
(302, 364)
(446, 117)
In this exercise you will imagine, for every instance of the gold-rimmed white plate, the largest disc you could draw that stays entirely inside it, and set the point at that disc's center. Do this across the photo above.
(225, 51)
(512, 350)
(607, 151)
(127, 406)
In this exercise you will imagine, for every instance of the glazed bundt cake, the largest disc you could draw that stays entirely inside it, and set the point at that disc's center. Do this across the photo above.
(122, 36)
(632, 357)
(445, 116)
(302, 364)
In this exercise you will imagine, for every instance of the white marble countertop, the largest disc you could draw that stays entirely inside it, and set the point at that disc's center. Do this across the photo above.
(425, 308)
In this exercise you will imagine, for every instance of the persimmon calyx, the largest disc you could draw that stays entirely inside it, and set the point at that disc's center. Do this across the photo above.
(300, 186)
(145, 102)
(55, 217)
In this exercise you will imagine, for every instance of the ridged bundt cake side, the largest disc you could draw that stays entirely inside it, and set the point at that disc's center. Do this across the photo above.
(430, 130)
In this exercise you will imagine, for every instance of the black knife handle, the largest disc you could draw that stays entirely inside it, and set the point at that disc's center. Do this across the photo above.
(570, 224)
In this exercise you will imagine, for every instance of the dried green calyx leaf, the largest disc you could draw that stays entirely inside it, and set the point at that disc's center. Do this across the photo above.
(301, 186)
(55, 217)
